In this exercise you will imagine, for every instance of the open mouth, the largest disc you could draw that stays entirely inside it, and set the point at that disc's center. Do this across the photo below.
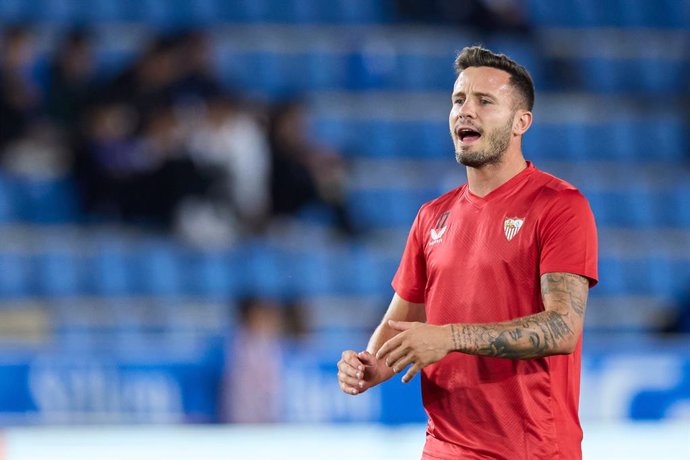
(468, 135)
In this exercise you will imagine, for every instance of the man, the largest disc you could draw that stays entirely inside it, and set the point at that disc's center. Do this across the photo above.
(491, 291)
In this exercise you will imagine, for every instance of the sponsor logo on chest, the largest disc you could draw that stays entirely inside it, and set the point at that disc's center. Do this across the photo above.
(511, 226)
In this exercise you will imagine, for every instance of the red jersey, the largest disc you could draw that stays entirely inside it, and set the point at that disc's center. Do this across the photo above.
(479, 260)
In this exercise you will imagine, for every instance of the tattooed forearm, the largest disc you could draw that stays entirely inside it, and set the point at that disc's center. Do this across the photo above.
(554, 331)
(533, 336)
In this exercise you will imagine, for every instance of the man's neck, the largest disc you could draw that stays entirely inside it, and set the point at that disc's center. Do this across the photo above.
(484, 180)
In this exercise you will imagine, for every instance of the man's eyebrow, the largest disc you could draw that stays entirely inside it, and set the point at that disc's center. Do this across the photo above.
(477, 93)
(481, 94)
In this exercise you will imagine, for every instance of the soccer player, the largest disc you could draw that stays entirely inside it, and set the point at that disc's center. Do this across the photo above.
(491, 290)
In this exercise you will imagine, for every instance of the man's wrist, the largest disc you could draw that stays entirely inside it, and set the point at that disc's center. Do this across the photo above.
(453, 337)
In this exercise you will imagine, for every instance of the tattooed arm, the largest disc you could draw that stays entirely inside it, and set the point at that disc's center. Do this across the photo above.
(554, 331)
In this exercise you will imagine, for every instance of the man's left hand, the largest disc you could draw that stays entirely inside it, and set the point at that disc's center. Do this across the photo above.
(419, 344)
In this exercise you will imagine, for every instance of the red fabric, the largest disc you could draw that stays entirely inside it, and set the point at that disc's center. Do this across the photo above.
(465, 269)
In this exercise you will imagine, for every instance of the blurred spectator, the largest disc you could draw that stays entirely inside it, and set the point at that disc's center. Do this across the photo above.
(20, 100)
(71, 79)
(253, 371)
(679, 322)
(105, 156)
(232, 142)
(142, 178)
(303, 172)
(254, 366)
(150, 82)
(197, 79)
(40, 152)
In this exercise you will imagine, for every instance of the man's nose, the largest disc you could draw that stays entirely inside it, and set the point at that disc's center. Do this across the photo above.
(467, 109)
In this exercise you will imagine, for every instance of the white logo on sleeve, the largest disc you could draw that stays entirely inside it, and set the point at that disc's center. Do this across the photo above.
(440, 228)
(436, 235)
(511, 226)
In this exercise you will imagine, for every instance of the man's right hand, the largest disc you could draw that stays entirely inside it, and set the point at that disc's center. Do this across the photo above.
(357, 372)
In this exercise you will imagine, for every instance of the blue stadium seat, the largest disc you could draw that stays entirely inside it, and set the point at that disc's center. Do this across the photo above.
(618, 141)
(435, 139)
(611, 278)
(16, 11)
(679, 204)
(267, 271)
(8, 199)
(603, 75)
(659, 14)
(156, 269)
(363, 11)
(417, 71)
(47, 201)
(387, 208)
(681, 274)
(376, 68)
(176, 13)
(551, 142)
(660, 76)
(633, 208)
(622, 13)
(57, 273)
(607, 75)
(331, 131)
(269, 73)
(379, 139)
(385, 138)
(214, 275)
(325, 70)
(109, 269)
(661, 276)
(661, 139)
(15, 272)
(367, 274)
(101, 11)
(315, 274)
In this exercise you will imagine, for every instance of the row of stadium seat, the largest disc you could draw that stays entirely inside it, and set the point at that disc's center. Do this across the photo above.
(657, 139)
(318, 60)
(167, 273)
(388, 67)
(53, 202)
(276, 73)
(177, 13)
(610, 13)
(167, 270)
(637, 208)
(170, 13)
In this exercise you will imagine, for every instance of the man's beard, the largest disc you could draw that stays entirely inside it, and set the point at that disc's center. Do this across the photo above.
(498, 142)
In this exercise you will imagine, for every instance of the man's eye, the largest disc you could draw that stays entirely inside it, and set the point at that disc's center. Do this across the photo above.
(485, 101)
(459, 101)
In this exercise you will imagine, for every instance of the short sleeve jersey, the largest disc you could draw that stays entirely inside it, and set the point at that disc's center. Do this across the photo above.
(479, 260)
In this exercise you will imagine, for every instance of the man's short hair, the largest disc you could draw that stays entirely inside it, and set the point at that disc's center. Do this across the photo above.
(476, 56)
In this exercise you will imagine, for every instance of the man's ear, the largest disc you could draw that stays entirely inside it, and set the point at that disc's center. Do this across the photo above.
(523, 120)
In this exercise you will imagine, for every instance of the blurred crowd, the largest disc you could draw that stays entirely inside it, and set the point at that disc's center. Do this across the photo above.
(161, 143)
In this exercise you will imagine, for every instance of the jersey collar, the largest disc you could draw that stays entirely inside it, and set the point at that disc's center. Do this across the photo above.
(503, 190)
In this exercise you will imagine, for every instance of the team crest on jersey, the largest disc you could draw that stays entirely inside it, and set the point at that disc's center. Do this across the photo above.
(440, 229)
(511, 226)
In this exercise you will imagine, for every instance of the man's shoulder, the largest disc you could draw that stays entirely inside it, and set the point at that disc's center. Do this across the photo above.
(548, 181)
(552, 188)
(442, 202)
(556, 195)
